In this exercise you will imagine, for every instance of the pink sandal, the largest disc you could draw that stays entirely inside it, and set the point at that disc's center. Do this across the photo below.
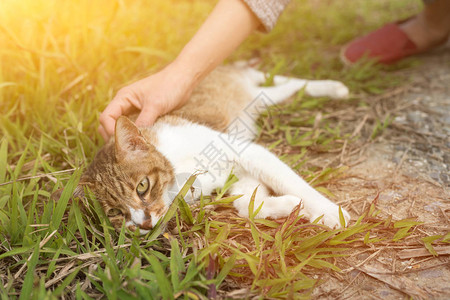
(386, 45)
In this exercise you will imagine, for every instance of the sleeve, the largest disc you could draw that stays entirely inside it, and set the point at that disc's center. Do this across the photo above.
(267, 11)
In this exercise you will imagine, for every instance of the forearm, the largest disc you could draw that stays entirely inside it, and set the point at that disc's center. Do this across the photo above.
(224, 30)
(228, 25)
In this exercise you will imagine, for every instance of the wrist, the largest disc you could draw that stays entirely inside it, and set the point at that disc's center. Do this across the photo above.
(183, 73)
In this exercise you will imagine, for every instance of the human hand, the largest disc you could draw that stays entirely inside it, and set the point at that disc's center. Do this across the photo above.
(154, 96)
(170, 88)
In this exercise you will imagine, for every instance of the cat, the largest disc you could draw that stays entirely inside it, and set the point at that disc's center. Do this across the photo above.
(136, 175)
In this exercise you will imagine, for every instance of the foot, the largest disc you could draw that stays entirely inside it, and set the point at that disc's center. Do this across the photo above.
(394, 41)
(425, 33)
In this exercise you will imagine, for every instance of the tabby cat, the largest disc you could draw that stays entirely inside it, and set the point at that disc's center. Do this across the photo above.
(136, 175)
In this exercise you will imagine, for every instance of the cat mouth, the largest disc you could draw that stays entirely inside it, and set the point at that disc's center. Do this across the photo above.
(142, 220)
(132, 225)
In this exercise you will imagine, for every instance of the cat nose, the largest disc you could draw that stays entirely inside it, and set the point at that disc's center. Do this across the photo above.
(147, 224)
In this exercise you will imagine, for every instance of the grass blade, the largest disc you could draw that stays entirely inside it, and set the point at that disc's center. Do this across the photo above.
(163, 282)
(3, 159)
(176, 264)
(28, 282)
(64, 199)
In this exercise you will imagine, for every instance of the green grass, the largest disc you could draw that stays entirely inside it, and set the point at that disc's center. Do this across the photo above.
(60, 64)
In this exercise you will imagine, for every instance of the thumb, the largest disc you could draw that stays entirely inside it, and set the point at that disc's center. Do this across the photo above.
(147, 117)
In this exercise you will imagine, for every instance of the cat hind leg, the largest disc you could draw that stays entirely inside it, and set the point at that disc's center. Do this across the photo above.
(266, 168)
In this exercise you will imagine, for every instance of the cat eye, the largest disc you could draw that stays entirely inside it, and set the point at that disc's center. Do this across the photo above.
(114, 212)
(143, 186)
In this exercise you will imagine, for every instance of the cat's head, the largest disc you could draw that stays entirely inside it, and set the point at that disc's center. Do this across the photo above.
(130, 179)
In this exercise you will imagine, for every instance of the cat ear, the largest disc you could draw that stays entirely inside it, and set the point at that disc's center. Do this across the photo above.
(128, 138)
(57, 194)
(77, 193)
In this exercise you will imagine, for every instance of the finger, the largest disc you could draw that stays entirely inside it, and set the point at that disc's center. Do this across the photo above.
(117, 107)
(103, 133)
(109, 116)
(147, 117)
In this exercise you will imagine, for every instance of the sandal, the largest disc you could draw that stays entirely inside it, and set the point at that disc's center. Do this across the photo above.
(386, 45)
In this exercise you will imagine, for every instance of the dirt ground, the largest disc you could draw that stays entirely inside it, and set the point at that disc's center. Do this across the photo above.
(407, 170)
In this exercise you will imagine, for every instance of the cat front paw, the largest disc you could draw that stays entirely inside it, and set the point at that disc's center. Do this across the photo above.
(327, 88)
(329, 213)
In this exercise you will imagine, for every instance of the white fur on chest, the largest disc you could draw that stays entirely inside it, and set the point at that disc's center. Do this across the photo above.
(193, 148)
